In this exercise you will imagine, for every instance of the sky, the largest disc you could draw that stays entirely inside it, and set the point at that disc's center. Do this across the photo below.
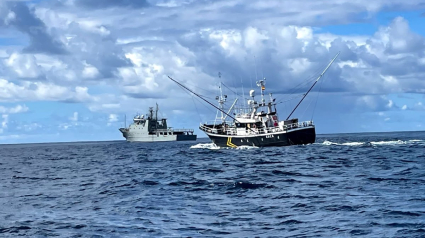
(77, 70)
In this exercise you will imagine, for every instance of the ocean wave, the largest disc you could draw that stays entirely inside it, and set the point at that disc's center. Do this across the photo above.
(373, 143)
(212, 146)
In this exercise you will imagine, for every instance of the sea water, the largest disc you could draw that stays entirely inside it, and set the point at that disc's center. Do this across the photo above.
(344, 185)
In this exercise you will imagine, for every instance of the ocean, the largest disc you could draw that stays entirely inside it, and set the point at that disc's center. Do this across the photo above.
(344, 185)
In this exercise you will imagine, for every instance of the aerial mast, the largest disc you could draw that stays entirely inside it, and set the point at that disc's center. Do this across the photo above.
(221, 99)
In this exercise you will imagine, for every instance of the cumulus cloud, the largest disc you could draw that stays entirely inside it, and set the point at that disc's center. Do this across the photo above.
(23, 65)
(109, 55)
(74, 117)
(13, 110)
(22, 18)
(112, 118)
(38, 91)
(96, 4)
(5, 120)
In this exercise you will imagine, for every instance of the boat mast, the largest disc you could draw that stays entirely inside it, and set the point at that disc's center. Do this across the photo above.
(221, 99)
(156, 112)
(329, 65)
(261, 84)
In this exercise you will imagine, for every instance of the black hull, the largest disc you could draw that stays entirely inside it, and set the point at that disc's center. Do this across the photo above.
(186, 137)
(294, 137)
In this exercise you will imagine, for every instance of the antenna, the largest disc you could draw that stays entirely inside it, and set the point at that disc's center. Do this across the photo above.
(255, 66)
(221, 99)
(125, 120)
(156, 112)
(243, 94)
(261, 84)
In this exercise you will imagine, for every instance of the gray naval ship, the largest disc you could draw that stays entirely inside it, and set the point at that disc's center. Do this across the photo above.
(153, 129)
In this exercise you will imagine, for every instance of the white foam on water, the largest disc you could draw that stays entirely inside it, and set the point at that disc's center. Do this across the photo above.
(246, 147)
(210, 146)
(374, 143)
(326, 142)
(353, 143)
(397, 142)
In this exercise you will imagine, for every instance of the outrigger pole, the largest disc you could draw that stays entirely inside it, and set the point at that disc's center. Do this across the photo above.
(181, 85)
(329, 65)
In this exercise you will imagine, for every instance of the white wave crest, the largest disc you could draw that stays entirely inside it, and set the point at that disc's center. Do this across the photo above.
(353, 143)
(326, 142)
(397, 142)
(246, 147)
(210, 146)
(374, 143)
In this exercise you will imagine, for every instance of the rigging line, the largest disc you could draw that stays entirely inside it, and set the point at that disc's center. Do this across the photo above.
(302, 115)
(307, 80)
(255, 65)
(197, 100)
(317, 99)
(293, 90)
(202, 98)
(303, 82)
(231, 90)
(200, 119)
(324, 71)
(243, 93)
(289, 99)
(202, 89)
(207, 101)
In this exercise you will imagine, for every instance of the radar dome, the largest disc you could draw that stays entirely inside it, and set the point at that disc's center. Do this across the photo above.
(252, 93)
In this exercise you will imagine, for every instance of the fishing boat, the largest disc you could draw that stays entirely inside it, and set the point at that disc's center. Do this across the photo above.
(259, 124)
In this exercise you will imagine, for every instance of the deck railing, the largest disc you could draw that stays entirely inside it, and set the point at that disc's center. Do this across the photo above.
(170, 129)
(233, 131)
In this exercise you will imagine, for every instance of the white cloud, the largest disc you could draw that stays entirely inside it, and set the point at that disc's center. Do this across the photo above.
(112, 118)
(74, 117)
(4, 122)
(13, 110)
(419, 106)
(39, 91)
(29, 127)
(23, 65)
(111, 57)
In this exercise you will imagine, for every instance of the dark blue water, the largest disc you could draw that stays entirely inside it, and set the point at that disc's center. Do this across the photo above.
(347, 185)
